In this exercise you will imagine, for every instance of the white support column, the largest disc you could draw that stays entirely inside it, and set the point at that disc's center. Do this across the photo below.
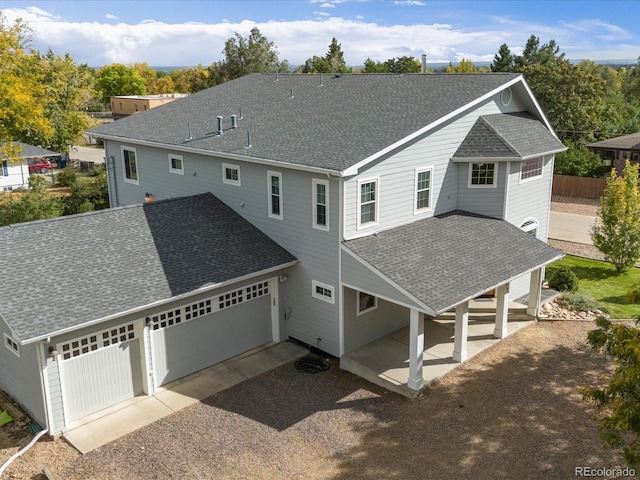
(461, 332)
(534, 293)
(416, 349)
(502, 311)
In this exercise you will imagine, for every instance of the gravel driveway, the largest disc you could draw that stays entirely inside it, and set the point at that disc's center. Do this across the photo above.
(513, 411)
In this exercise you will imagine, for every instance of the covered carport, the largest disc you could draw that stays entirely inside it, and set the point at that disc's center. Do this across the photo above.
(427, 268)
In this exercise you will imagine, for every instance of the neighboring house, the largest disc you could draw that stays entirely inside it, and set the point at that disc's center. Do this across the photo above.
(14, 174)
(332, 210)
(616, 151)
(125, 105)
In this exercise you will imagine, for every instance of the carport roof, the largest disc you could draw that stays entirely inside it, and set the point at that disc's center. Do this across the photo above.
(63, 273)
(442, 261)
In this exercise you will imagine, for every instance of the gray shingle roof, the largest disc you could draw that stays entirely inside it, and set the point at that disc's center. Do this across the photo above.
(28, 151)
(625, 142)
(333, 126)
(508, 135)
(61, 273)
(447, 259)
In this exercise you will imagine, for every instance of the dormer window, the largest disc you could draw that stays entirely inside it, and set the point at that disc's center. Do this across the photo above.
(483, 175)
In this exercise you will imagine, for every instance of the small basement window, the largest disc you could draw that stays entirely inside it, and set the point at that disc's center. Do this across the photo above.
(12, 345)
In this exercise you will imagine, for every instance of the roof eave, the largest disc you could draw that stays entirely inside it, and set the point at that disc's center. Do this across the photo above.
(159, 303)
(212, 153)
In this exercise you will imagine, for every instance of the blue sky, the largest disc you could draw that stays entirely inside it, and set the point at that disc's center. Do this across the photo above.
(193, 32)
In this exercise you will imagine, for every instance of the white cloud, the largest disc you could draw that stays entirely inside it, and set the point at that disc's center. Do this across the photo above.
(159, 43)
(410, 3)
(327, 5)
(109, 16)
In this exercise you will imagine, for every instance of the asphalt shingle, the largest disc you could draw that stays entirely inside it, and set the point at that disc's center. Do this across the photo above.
(325, 121)
(446, 259)
(508, 135)
(65, 272)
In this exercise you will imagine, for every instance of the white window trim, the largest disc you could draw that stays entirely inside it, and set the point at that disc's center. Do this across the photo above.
(324, 298)
(417, 210)
(495, 175)
(366, 310)
(228, 181)
(537, 177)
(279, 216)
(15, 346)
(314, 203)
(534, 225)
(124, 168)
(362, 226)
(179, 171)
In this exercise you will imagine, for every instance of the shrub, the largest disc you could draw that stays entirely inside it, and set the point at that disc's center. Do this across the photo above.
(633, 294)
(578, 302)
(564, 280)
(67, 177)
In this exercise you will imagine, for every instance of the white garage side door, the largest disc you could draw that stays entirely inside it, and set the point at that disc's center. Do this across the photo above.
(226, 325)
(100, 370)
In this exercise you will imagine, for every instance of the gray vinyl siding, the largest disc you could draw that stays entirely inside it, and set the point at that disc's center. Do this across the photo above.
(21, 378)
(529, 200)
(396, 175)
(367, 327)
(317, 250)
(356, 274)
(487, 201)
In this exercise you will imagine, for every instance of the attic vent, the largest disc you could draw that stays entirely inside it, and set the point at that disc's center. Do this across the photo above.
(219, 117)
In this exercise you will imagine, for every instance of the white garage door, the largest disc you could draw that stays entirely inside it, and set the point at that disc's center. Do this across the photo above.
(198, 335)
(100, 370)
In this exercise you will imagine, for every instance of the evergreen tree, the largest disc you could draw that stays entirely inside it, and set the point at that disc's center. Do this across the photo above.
(503, 61)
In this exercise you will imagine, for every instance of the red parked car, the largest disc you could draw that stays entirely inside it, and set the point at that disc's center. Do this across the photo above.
(39, 165)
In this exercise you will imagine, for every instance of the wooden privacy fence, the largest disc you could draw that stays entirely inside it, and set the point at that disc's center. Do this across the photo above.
(583, 187)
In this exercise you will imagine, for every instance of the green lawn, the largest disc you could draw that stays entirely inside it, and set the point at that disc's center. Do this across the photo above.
(600, 281)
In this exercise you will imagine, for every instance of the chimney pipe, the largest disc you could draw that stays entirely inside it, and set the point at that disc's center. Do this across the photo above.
(219, 117)
(423, 65)
(234, 121)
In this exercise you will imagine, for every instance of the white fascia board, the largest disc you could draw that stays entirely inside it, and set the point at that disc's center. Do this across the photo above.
(353, 170)
(211, 153)
(425, 308)
(484, 159)
(142, 308)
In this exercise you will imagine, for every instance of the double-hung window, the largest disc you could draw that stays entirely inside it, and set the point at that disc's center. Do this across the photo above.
(130, 163)
(231, 174)
(176, 164)
(483, 175)
(531, 168)
(275, 194)
(423, 185)
(321, 204)
(367, 202)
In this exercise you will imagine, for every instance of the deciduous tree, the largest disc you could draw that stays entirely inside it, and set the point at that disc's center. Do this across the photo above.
(617, 233)
(618, 402)
(118, 79)
(254, 54)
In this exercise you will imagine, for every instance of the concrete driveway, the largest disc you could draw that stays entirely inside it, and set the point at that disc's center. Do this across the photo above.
(571, 227)
(87, 154)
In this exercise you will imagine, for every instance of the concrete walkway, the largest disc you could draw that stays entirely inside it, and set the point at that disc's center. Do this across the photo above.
(571, 227)
(110, 424)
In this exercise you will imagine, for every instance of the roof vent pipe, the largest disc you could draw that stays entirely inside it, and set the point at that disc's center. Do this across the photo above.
(291, 93)
(189, 131)
(321, 80)
(219, 117)
(248, 145)
(240, 113)
(234, 121)
(423, 64)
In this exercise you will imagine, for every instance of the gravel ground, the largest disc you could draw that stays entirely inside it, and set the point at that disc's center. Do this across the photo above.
(513, 411)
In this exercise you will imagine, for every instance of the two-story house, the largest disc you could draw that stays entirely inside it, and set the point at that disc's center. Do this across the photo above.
(329, 209)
